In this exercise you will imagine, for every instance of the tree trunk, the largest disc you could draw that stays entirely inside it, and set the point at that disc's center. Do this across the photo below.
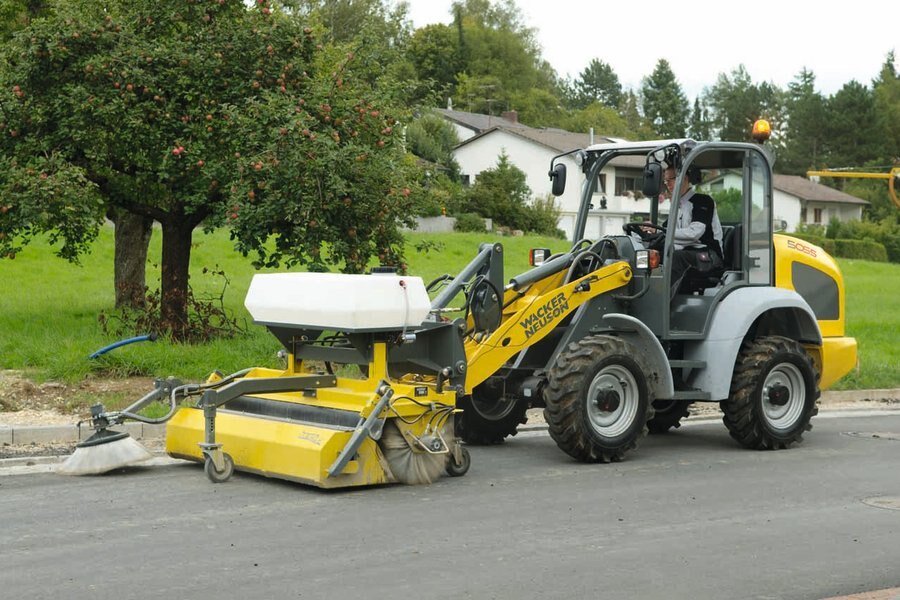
(132, 240)
(176, 259)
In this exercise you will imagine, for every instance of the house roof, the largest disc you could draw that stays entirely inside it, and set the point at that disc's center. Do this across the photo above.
(558, 140)
(811, 191)
(478, 122)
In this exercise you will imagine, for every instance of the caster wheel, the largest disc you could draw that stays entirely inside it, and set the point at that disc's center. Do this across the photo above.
(219, 476)
(458, 469)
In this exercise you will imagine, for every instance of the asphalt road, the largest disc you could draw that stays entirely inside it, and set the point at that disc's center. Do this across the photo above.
(689, 515)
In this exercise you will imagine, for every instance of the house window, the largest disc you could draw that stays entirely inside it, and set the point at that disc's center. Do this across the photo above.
(601, 188)
(465, 181)
(817, 216)
(803, 215)
(628, 184)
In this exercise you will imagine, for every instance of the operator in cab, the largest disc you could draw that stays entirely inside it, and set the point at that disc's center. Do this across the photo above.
(698, 232)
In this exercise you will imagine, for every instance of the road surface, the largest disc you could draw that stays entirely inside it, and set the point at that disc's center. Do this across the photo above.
(689, 515)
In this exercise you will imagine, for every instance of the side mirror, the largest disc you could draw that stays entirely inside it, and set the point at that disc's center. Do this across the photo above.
(653, 173)
(558, 177)
(538, 256)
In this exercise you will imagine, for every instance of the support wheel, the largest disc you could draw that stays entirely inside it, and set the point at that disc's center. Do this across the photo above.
(773, 394)
(597, 399)
(667, 414)
(488, 417)
(459, 469)
(219, 476)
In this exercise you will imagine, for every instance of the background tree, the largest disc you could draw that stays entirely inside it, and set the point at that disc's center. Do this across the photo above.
(432, 138)
(501, 194)
(886, 88)
(604, 120)
(629, 109)
(852, 127)
(735, 102)
(699, 127)
(664, 103)
(108, 101)
(805, 134)
(598, 82)
(436, 56)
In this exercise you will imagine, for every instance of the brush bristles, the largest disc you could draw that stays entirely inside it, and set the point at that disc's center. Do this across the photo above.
(413, 468)
(102, 458)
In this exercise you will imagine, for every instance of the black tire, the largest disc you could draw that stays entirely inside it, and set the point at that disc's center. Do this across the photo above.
(219, 476)
(458, 470)
(597, 400)
(773, 394)
(667, 414)
(488, 418)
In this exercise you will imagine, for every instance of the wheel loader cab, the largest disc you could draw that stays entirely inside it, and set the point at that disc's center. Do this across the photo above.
(738, 177)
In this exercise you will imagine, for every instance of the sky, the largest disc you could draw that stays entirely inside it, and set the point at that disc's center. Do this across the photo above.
(774, 40)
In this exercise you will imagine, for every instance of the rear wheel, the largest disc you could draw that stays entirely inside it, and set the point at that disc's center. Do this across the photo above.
(667, 414)
(597, 400)
(488, 417)
(773, 394)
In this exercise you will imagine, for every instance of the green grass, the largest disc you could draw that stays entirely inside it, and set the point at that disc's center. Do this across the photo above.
(49, 309)
(873, 318)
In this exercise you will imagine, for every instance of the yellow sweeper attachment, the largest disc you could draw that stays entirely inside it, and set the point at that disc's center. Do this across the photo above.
(393, 423)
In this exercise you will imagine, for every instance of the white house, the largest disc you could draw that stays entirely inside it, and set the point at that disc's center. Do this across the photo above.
(797, 200)
(485, 138)
(800, 200)
(532, 149)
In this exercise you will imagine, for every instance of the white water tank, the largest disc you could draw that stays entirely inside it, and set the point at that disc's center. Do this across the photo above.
(338, 301)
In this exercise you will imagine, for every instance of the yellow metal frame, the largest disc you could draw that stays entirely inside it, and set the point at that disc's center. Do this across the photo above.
(531, 315)
(300, 451)
(891, 176)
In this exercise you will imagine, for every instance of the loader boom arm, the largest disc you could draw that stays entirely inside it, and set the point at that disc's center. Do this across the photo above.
(538, 318)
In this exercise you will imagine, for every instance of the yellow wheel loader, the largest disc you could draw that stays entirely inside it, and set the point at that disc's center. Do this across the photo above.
(594, 335)
(601, 339)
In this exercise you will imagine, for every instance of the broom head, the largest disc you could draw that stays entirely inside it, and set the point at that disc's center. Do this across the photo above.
(104, 451)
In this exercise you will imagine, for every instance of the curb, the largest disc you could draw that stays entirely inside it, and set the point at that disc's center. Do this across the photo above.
(21, 435)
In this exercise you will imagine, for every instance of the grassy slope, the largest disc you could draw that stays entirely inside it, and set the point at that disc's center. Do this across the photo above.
(49, 308)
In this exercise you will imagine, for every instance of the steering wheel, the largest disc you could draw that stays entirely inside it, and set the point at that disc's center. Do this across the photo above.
(638, 228)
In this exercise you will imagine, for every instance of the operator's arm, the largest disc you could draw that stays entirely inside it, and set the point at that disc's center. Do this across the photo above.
(690, 235)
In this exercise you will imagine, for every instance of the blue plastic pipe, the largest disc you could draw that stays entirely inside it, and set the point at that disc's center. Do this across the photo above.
(141, 338)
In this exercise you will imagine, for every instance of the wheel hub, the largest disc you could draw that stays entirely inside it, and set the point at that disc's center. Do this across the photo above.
(778, 394)
(607, 400)
(612, 401)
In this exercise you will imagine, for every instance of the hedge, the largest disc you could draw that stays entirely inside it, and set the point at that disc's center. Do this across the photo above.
(862, 249)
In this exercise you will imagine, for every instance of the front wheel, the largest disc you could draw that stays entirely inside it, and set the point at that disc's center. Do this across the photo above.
(489, 417)
(597, 400)
(773, 394)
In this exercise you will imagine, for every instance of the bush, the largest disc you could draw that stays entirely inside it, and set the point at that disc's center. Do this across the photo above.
(864, 249)
(501, 194)
(469, 222)
(885, 232)
(543, 217)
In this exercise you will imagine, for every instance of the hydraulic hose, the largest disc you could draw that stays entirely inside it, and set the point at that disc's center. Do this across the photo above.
(141, 338)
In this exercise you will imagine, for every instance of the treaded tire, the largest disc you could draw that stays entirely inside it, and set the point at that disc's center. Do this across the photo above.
(667, 414)
(486, 422)
(763, 365)
(581, 423)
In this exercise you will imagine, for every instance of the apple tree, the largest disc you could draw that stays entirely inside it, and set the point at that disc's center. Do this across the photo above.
(200, 113)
